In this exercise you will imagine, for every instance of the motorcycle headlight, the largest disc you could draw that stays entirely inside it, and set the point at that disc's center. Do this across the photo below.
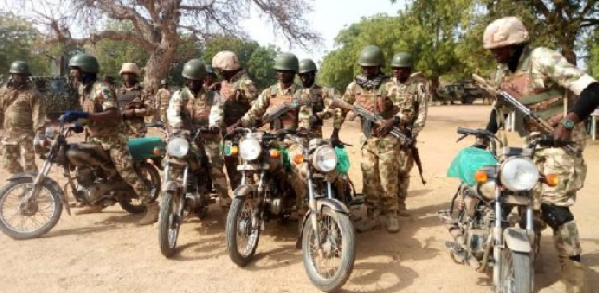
(249, 149)
(325, 159)
(178, 147)
(519, 174)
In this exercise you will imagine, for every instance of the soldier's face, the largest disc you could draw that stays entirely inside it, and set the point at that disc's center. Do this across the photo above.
(194, 84)
(401, 73)
(129, 77)
(19, 78)
(370, 71)
(209, 79)
(308, 79)
(76, 74)
(502, 55)
(286, 76)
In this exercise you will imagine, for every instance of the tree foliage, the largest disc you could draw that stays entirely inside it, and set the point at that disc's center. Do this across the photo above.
(18, 41)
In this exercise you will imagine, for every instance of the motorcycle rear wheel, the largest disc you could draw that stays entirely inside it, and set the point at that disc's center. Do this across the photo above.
(39, 228)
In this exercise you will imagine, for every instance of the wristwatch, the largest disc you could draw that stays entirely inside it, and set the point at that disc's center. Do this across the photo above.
(568, 123)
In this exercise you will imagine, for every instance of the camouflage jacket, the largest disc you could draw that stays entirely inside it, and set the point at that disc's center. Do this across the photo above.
(238, 94)
(412, 99)
(263, 103)
(317, 101)
(135, 98)
(201, 109)
(22, 110)
(162, 98)
(98, 97)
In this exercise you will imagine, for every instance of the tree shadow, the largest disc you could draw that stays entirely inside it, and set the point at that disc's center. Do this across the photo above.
(282, 256)
(80, 231)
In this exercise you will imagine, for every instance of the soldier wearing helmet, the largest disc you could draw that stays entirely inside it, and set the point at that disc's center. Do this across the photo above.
(379, 148)
(163, 95)
(105, 125)
(284, 93)
(23, 116)
(134, 101)
(238, 92)
(194, 106)
(541, 79)
(409, 91)
(318, 98)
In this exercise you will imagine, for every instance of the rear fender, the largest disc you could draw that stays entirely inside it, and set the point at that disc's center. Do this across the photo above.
(47, 181)
(516, 239)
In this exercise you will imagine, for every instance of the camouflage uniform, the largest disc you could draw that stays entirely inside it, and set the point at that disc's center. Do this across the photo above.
(379, 153)
(22, 111)
(99, 97)
(238, 94)
(317, 100)
(136, 98)
(269, 100)
(413, 98)
(163, 96)
(200, 108)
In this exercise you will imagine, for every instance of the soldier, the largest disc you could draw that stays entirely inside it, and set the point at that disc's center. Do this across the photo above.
(285, 92)
(379, 149)
(134, 100)
(540, 79)
(318, 99)
(106, 128)
(22, 111)
(194, 105)
(210, 80)
(409, 89)
(163, 95)
(237, 92)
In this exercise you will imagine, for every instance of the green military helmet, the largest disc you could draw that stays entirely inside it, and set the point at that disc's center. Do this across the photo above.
(402, 59)
(307, 65)
(19, 67)
(286, 61)
(86, 63)
(194, 69)
(370, 55)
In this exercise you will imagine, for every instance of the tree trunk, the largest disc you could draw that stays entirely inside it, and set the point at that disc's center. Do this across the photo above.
(158, 66)
(568, 52)
(435, 84)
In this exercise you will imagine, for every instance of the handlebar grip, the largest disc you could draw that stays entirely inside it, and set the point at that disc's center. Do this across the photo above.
(463, 130)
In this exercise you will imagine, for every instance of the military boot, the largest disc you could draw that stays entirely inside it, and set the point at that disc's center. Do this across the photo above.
(151, 215)
(392, 222)
(403, 213)
(572, 278)
(370, 222)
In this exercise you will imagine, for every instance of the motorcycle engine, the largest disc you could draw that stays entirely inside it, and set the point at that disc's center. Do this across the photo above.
(85, 176)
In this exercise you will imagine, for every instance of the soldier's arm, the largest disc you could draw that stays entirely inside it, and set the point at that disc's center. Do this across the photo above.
(304, 112)
(215, 118)
(38, 107)
(149, 108)
(106, 97)
(422, 107)
(174, 110)
(258, 109)
(349, 98)
(249, 90)
(327, 96)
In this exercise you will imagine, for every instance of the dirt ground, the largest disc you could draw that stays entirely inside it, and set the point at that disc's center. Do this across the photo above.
(109, 253)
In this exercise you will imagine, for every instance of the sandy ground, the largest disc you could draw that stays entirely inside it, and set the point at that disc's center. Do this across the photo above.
(109, 253)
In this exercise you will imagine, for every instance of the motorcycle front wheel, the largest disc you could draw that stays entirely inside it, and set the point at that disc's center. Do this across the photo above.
(329, 260)
(169, 223)
(517, 272)
(241, 236)
(21, 220)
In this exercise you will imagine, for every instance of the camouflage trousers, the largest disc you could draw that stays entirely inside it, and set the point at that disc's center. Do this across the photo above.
(297, 176)
(235, 176)
(17, 153)
(136, 128)
(215, 157)
(380, 173)
(405, 163)
(572, 171)
(116, 147)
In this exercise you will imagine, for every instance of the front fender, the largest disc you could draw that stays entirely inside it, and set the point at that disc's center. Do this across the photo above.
(53, 185)
(243, 190)
(333, 204)
(517, 240)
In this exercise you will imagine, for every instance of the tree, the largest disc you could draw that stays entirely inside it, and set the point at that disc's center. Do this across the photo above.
(18, 38)
(260, 66)
(157, 25)
(241, 47)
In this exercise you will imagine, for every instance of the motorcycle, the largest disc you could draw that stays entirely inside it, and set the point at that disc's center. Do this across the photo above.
(96, 182)
(187, 185)
(325, 232)
(492, 221)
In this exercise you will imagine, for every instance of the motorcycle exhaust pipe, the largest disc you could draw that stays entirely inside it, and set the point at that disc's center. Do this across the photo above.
(459, 240)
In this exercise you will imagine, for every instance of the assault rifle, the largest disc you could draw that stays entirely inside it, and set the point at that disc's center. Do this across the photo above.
(514, 104)
(274, 117)
(370, 118)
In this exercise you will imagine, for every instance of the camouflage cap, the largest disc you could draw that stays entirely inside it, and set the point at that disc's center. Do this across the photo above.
(19, 67)
(129, 68)
(504, 32)
(286, 61)
(402, 59)
(307, 65)
(194, 69)
(370, 55)
(226, 60)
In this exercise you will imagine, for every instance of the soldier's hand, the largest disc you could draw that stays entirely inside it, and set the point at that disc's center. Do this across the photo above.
(561, 133)
(387, 125)
(302, 131)
(231, 129)
(315, 121)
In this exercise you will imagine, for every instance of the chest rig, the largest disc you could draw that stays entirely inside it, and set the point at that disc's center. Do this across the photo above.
(235, 103)
(279, 98)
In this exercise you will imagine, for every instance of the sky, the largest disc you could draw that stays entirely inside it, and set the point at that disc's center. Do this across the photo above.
(327, 18)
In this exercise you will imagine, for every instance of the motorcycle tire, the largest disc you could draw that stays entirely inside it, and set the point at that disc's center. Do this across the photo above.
(517, 272)
(169, 224)
(232, 231)
(332, 282)
(14, 232)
